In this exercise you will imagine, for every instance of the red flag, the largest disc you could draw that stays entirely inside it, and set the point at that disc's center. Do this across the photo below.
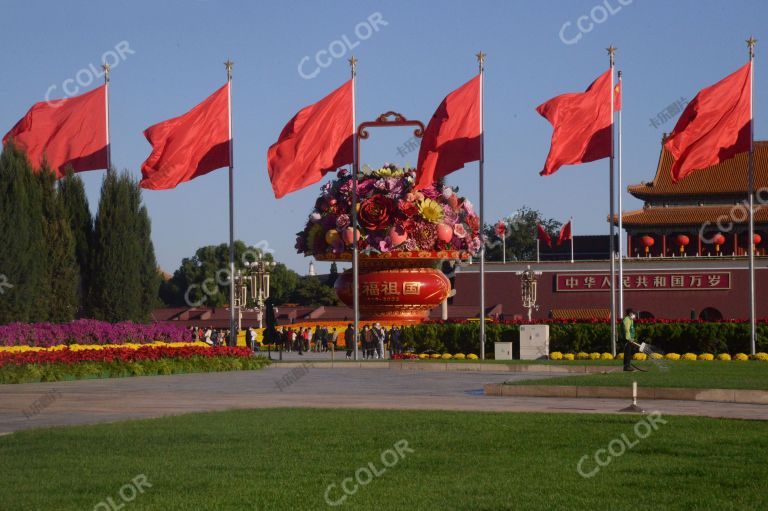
(316, 141)
(714, 127)
(582, 125)
(190, 145)
(543, 235)
(565, 234)
(71, 131)
(452, 137)
(617, 97)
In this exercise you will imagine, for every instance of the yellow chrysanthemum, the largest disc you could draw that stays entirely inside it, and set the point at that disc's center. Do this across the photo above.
(431, 211)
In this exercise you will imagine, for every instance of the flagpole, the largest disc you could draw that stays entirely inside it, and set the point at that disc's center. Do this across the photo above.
(538, 252)
(571, 222)
(611, 55)
(481, 64)
(355, 252)
(106, 67)
(621, 207)
(232, 321)
(753, 328)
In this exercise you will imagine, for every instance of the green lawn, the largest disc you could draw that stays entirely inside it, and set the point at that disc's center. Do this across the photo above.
(679, 373)
(286, 459)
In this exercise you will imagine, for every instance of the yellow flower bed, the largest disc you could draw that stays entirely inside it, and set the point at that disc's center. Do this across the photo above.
(569, 356)
(83, 347)
(740, 357)
(706, 356)
(459, 356)
(582, 355)
(606, 356)
(690, 356)
(472, 356)
(555, 355)
(762, 357)
(672, 356)
(594, 356)
(724, 356)
(447, 356)
(639, 356)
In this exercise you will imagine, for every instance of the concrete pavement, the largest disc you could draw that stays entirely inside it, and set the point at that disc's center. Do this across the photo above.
(37, 405)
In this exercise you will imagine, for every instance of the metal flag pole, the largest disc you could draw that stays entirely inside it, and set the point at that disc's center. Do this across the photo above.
(611, 242)
(232, 321)
(106, 67)
(751, 171)
(355, 251)
(621, 207)
(481, 64)
(571, 222)
(538, 253)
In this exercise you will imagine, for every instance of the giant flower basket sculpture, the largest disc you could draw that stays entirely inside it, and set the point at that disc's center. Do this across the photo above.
(403, 236)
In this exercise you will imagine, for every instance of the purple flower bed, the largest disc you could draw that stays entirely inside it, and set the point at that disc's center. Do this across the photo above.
(89, 331)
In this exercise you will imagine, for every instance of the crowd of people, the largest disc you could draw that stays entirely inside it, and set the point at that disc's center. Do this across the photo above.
(373, 341)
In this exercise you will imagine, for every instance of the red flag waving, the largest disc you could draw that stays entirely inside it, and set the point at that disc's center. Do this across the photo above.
(582, 125)
(71, 131)
(714, 126)
(617, 96)
(190, 145)
(452, 137)
(316, 141)
(543, 235)
(565, 234)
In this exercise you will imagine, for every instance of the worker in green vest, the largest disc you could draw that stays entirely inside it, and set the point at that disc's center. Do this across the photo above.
(628, 324)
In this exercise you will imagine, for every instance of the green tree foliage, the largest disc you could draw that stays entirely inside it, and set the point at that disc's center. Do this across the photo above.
(203, 280)
(22, 241)
(60, 270)
(78, 214)
(121, 253)
(520, 234)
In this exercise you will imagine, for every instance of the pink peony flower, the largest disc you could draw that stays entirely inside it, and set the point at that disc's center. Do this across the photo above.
(459, 231)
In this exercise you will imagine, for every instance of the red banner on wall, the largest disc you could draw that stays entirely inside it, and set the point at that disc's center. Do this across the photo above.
(703, 281)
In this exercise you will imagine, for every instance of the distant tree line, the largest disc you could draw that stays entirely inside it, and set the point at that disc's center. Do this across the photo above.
(58, 261)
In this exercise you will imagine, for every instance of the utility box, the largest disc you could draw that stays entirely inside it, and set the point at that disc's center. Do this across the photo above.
(502, 350)
(534, 342)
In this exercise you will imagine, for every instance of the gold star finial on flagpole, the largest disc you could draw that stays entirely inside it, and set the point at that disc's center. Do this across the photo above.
(229, 65)
(353, 65)
(480, 60)
(611, 53)
(751, 42)
(106, 67)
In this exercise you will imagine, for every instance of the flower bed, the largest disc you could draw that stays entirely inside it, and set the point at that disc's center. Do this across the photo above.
(64, 363)
(88, 331)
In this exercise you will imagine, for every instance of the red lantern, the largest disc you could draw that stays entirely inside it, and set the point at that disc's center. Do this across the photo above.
(501, 228)
(647, 242)
(682, 241)
(756, 239)
(718, 240)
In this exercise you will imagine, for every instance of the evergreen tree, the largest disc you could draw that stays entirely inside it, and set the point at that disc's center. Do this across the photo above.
(22, 243)
(60, 268)
(150, 275)
(118, 254)
(75, 202)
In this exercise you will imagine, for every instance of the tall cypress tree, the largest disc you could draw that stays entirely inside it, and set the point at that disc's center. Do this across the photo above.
(121, 254)
(60, 265)
(78, 214)
(22, 243)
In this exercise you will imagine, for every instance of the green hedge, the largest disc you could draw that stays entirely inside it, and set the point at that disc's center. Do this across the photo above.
(589, 337)
(28, 373)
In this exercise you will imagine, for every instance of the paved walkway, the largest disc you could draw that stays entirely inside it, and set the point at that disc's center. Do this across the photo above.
(38, 405)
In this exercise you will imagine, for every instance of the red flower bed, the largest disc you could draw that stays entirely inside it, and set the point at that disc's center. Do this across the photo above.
(66, 356)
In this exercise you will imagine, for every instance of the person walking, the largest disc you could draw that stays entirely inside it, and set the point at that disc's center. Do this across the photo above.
(628, 324)
(378, 335)
(349, 340)
(334, 339)
(394, 340)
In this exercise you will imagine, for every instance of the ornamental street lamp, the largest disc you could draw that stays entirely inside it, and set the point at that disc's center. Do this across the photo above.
(528, 287)
(255, 276)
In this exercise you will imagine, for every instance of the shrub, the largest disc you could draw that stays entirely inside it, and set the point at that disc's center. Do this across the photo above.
(459, 356)
(472, 356)
(690, 356)
(706, 356)
(724, 356)
(422, 356)
(447, 356)
(582, 355)
(606, 356)
(594, 356)
(672, 356)
(639, 356)
(740, 357)
(555, 355)
(569, 356)
(763, 357)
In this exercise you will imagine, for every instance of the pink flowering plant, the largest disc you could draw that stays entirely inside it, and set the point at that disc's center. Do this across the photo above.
(88, 331)
(392, 216)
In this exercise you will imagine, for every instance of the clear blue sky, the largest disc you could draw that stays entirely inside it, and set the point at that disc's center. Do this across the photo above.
(667, 50)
